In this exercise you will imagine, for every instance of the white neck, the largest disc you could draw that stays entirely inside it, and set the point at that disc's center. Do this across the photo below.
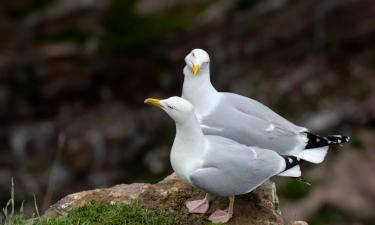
(199, 91)
(188, 148)
(190, 133)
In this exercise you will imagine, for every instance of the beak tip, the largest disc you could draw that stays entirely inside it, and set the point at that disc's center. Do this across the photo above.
(195, 69)
(153, 101)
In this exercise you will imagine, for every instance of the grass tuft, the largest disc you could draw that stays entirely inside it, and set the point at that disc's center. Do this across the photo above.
(12, 218)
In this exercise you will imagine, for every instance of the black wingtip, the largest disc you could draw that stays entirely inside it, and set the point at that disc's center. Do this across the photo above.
(291, 161)
(315, 141)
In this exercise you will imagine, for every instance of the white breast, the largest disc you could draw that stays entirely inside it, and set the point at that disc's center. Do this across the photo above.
(184, 162)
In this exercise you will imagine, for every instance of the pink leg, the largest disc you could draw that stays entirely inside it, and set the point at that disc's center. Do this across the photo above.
(223, 216)
(198, 206)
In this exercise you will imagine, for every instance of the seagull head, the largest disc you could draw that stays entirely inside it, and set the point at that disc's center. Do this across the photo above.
(178, 108)
(197, 61)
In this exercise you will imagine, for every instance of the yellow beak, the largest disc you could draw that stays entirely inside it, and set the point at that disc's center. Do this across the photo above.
(153, 101)
(195, 69)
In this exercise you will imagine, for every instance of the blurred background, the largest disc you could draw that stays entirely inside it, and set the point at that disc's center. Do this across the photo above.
(74, 74)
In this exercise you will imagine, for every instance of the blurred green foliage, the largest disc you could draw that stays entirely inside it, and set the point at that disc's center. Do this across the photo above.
(131, 33)
(294, 189)
(246, 4)
(26, 85)
(69, 33)
(286, 106)
(356, 142)
(361, 92)
(370, 222)
(328, 216)
(27, 8)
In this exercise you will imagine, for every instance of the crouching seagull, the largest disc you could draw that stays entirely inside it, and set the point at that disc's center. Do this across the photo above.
(218, 165)
(245, 120)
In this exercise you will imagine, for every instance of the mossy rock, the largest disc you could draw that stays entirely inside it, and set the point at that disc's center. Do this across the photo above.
(169, 196)
(121, 214)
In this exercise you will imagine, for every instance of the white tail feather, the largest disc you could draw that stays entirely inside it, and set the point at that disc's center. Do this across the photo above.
(314, 155)
(292, 172)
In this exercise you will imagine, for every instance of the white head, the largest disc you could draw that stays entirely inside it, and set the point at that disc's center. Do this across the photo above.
(198, 61)
(178, 108)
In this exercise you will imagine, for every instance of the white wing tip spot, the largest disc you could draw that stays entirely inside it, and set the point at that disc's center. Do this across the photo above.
(270, 128)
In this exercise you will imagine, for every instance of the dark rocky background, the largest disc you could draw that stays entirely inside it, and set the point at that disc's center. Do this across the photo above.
(74, 74)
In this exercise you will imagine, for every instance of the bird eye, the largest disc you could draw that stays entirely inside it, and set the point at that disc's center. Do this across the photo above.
(193, 54)
(170, 107)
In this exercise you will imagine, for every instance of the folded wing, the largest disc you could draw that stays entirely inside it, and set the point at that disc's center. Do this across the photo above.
(232, 169)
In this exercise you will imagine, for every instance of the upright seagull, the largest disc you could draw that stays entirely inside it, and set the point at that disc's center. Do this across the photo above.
(216, 164)
(245, 120)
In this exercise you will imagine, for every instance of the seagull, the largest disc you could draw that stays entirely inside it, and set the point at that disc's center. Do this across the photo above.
(218, 165)
(245, 120)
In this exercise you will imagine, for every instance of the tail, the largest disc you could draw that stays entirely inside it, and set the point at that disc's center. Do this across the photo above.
(315, 152)
(317, 147)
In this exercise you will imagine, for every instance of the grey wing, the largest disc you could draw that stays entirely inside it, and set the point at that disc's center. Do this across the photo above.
(259, 110)
(251, 123)
(233, 169)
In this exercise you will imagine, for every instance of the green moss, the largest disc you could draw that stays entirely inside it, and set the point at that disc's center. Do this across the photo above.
(112, 215)
(294, 189)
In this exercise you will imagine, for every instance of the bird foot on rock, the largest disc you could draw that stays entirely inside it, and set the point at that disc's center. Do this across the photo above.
(220, 216)
(197, 206)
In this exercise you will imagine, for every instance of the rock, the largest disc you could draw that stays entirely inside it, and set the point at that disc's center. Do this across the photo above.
(258, 207)
(299, 223)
